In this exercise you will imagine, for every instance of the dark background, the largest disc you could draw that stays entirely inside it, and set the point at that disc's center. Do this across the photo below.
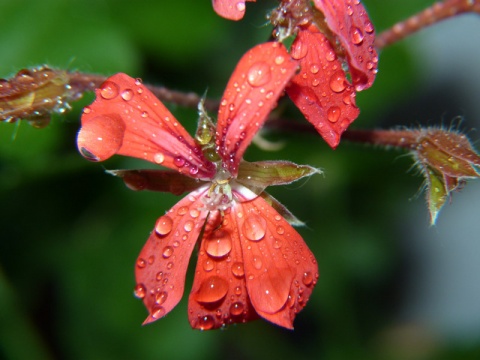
(70, 234)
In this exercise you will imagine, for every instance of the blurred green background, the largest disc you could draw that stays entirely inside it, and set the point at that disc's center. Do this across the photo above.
(70, 234)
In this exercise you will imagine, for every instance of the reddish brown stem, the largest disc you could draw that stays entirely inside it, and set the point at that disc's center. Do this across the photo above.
(431, 15)
(406, 139)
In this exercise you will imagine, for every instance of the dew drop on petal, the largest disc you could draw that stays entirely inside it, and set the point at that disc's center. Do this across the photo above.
(188, 226)
(161, 297)
(158, 312)
(167, 252)
(356, 35)
(333, 114)
(182, 210)
(164, 225)
(208, 265)
(140, 291)
(307, 278)
(141, 263)
(314, 68)
(158, 158)
(259, 74)
(108, 90)
(237, 269)
(236, 308)
(218, 244)
(257, 263)
(179, 161)
(299, 50)
(330, 55)
(337, 82)
(206, 322)
(280, 230)
(212, 289)
(127, 94)
(254, 227)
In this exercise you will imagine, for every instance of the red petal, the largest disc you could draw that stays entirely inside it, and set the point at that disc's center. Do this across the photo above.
(163, 261)
(230, 9)
(320, 90)
(252, 92)
(127, 119)
(219, 295)
(280, 270)
(350, 22)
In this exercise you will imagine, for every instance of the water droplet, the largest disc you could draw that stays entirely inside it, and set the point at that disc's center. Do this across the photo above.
(337, 82)
(127, 94)
(280, 230)
(164, 225)
(167, 252)
(161, 297)
(240, 6)
(212, 289)
(259, 74)
(170, 266)
(356, 35)
(330, 55)
(237, 269)
(236, 308)
(368, 27)
(254, 227)
(182, 210)
(307, 278)
(314, 68)
(218, 244)
(151, 259)
(108, 90)
(158, 158)
(144, 114)
(208, 265)
(188, 226)
(299, 50)
(257, 263)
(157, 312)
(159, 276)
(194, 213)
(279, 60)
(141, 263)
(87, 110)
(333, 114)
(179, 161)
(277, 244)
(206, 322)
(140, 291)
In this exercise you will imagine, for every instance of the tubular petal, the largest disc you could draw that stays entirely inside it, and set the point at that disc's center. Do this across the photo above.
(280, 270)
(162, 263)
(350, 22)
(252, 92)
(127, 119)
(320, 90)
(230, 9)
(219, 295)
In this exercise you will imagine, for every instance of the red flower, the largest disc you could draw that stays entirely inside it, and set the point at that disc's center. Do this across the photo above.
(334, 43)
(251, 262)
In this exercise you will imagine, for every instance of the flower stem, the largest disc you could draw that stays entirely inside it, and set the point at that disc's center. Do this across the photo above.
(437, 12)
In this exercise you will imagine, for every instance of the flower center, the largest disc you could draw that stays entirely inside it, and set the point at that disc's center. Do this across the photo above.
(219, 195)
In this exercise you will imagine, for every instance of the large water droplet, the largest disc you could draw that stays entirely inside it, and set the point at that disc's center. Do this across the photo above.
(259, 74)
(337, 82)
(141, 263)
(218, 244)
(109, 90)
(254, 227)
(257, 263)
(140, 291)
(189, 225)
(333, 114)
(164, 225)
(212, 289)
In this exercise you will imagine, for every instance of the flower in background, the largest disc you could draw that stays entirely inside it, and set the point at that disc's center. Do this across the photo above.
(251, 262)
